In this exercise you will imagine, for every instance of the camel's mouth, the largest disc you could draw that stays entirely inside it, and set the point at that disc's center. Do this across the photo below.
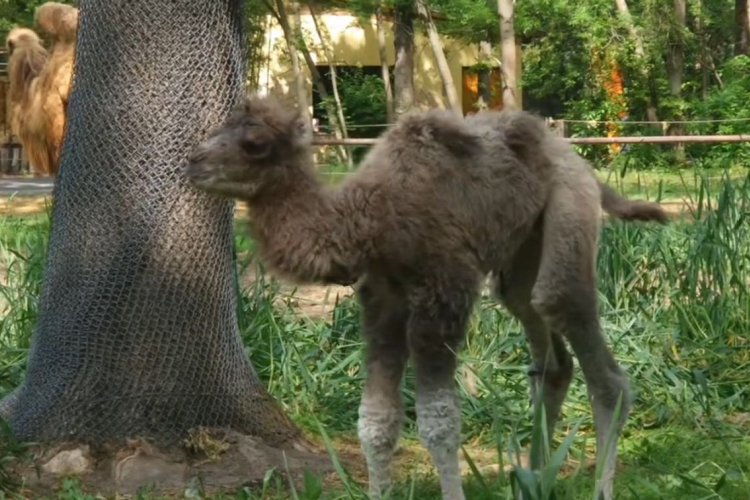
(198, 171)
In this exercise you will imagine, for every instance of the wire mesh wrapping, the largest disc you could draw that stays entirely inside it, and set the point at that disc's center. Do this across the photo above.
(137, 331)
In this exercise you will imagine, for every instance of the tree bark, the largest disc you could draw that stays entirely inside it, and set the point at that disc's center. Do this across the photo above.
(485, 76)
(702, 53)
(444, 69)
(137, 333)
(640, 52)
(384, 69)
(403, 71)
(300, 85)
(675, 57)
(334, 111)
(741, 29)
(675, 64)
(508, 46)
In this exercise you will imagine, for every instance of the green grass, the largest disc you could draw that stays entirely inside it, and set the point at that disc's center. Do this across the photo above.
(668, 185)
(674, 304)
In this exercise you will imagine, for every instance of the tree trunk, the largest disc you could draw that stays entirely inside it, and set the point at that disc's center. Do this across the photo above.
(137, 334)
(675, 63)
(384, 70)
(299, 79)
(403, 71)
(741, 31)
(442, 63)
(675, 57)
(485, 76)
(640, 52)
(508, 46)
(335, 116)
(702, 53)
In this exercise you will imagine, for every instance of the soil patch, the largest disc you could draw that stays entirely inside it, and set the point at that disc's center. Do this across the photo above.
(233, 461)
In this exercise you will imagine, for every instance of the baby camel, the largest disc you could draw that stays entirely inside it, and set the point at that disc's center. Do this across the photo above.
(438, 204)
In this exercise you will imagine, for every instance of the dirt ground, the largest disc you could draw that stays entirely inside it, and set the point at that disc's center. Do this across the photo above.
(226, 461)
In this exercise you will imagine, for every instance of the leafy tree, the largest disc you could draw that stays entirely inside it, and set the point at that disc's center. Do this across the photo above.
(20, 13)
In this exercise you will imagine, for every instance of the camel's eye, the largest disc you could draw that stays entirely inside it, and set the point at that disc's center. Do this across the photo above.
(255, 147)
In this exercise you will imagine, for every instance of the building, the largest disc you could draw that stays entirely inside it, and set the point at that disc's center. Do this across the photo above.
(352, 42)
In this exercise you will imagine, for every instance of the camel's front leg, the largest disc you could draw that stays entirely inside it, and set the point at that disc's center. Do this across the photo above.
(384, 317)
(435, 331)
(439, 422)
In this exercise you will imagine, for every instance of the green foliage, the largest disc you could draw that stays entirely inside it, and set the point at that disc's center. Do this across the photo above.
(472, 21)
(363, 102)
(15, 13)
(729, 102)
(363, 99)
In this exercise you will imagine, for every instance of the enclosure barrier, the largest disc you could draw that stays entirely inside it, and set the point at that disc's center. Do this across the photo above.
(656, 139)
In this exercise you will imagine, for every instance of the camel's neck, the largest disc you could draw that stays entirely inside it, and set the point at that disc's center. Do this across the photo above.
(301, 232)
(297, 192)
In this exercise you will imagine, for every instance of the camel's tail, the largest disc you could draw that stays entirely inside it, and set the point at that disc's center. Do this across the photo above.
(58, 20)
(622, 208)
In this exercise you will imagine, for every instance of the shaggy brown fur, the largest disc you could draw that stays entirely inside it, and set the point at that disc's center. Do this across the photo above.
(437, 205)
(40, 84)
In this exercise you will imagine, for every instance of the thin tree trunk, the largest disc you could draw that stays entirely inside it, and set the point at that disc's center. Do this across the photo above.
(301, 86)
(640, 52)
(403, 71)
(675, 57)
(508, 46)
(702, 58)
(444, 69)
(339, 123)
(675, 62)
(741, 33)
(485, 76)
(384, 69)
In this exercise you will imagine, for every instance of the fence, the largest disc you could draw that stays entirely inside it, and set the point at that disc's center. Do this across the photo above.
(324, 140)
(13, 162)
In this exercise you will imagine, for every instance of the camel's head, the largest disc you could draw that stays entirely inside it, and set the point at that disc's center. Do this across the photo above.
(259, 145)
(20, 38)
(58, 20)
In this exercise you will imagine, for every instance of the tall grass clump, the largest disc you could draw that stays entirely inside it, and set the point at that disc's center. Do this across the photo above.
(676, 301)
(23, 249)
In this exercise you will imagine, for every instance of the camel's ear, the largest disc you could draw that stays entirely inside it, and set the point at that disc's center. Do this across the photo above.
(302, 133)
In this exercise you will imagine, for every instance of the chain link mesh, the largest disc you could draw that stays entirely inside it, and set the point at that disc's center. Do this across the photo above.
(137, 332)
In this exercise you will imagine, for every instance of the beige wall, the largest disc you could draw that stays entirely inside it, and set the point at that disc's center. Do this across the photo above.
(354, 42)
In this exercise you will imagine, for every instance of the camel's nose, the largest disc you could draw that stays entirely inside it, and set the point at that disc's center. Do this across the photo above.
(198, 155)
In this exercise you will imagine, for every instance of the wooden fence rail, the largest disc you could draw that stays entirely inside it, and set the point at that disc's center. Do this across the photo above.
(655, 139)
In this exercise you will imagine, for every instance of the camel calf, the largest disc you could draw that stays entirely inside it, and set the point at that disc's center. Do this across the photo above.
(437, 204)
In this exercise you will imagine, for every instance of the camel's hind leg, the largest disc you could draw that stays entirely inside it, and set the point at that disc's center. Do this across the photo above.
(436, 329)
(565, 296)
(552, 366)
(384, 316)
